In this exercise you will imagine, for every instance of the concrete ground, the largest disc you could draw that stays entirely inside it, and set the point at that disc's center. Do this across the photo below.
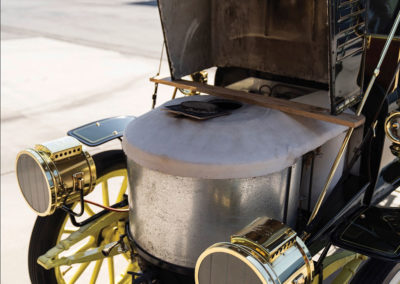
(64, 64)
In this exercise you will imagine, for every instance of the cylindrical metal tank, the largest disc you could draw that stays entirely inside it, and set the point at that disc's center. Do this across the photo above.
(194, 183)
(175, 218)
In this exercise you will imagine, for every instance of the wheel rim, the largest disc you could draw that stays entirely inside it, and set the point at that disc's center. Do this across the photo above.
(113, 187)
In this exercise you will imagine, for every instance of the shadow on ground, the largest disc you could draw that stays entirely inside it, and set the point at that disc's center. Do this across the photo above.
(143, 3)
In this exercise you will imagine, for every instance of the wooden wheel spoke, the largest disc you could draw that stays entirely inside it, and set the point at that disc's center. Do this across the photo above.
(87, 246)
(113, 190)
(96, 271)
(122, 190)
(126, 256)
(110, 261)
(66, 270)
(126, 277)
(89, 210)
(68, 230)
(104, 188)
(79, 272)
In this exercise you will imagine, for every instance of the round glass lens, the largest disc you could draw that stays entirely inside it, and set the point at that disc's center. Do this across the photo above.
(33, 183)
(223, 268)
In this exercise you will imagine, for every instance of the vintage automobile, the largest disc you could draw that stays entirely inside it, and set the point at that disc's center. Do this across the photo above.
(271, 174)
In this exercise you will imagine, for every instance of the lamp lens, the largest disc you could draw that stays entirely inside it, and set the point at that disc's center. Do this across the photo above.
(220, 267)
(33, 183)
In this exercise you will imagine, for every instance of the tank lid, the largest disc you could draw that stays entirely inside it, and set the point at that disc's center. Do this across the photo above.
(251, 141)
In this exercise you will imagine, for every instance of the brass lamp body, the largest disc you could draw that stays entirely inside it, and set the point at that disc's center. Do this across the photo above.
(266, 251)
(55, 173)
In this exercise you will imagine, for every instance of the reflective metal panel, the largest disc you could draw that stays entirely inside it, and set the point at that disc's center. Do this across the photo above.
(176, 218)
(347, 28)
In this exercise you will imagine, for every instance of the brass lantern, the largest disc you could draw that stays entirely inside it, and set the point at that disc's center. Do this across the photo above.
(55, 173)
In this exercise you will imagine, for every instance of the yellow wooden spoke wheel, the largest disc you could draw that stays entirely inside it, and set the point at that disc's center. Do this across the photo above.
(112, 184)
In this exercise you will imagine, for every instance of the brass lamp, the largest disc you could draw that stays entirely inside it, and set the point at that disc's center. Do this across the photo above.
(55, 173)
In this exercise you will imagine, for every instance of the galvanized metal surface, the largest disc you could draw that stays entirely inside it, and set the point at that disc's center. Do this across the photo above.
(177, 218)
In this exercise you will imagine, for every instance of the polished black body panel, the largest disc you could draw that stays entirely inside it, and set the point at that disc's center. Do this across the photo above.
(344, 203)
(343, 200)
(375, 181)
(372, 153)
(381, 15)
(390, 175)
(372, 231)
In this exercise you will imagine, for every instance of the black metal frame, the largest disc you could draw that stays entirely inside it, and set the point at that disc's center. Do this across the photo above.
(355, 192)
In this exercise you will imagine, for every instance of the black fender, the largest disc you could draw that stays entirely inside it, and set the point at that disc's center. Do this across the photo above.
(101, 131)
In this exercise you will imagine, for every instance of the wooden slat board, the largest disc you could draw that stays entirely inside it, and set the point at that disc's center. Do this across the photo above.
(286, 106)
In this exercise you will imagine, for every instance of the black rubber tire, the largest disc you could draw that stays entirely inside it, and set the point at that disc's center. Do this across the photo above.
(45, 231)
(376, 271)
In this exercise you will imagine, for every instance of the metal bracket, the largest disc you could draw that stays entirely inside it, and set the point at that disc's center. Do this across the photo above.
(49, 259)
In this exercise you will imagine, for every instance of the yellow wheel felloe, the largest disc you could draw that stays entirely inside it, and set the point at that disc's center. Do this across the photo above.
(90, 240)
